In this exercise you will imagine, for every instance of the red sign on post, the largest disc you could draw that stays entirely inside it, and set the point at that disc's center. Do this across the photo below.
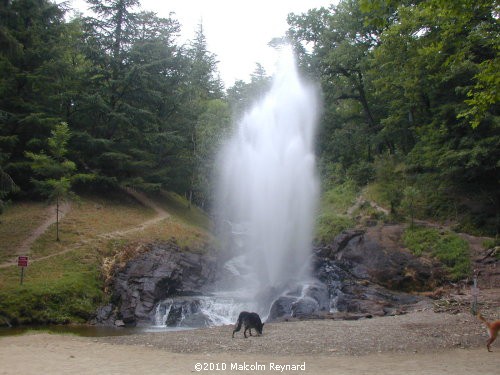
(22, 261)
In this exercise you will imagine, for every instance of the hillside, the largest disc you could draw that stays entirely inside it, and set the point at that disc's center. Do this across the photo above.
(65, 279)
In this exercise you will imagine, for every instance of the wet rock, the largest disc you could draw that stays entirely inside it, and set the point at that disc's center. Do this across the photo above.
(104, 314)
(376, 256)
(319, 293)
(304, 307)
(367, 272)
(157, 274)
(281, 308)
(196, 320)
(180, 310)
(301, 301)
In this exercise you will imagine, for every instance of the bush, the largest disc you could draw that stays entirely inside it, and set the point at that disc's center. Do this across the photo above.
(362, 173)
(332, 218)
(331, 225)
(73, 298)
(340, 197)
(390, 182)
(448, 248)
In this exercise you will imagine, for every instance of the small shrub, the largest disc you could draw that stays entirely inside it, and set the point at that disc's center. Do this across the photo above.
(334, 203)
(448, 248)
(340, 197)
(490, 243)
(362, 173)
(331, 225)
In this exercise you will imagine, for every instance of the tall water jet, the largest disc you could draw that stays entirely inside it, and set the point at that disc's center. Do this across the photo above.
(268, 187)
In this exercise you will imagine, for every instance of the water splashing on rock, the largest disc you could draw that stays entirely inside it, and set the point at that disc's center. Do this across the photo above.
(268, 189)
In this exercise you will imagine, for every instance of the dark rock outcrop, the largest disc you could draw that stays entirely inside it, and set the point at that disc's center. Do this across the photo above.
(360, 274)
(155, 275)
(305, 301)
(367, 272)
(373, 256)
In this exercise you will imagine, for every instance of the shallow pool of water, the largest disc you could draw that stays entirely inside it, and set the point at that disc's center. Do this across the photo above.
(87, 330)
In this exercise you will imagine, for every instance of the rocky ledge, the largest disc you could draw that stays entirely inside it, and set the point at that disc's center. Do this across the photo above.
(162, 271)
(360, 274)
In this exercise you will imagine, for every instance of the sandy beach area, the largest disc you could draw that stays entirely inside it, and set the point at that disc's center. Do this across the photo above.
(416, 343)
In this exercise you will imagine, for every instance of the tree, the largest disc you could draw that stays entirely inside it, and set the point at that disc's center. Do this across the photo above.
(34, 45)
(241, 96)
(434, 64)
(203, 86)
(129, 122)
(54, 172)
(340, 45)
(7, 185)
(212, 130)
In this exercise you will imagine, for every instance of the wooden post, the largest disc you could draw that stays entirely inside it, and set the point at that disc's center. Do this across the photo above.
(475, 292)
(57, 219)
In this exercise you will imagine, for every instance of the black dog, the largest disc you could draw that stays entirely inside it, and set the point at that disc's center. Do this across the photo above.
(249, 320)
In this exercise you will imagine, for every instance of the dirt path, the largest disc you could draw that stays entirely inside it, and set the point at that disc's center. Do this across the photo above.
(64, 209)
(160, 215)
(25, 246)
(360, 200)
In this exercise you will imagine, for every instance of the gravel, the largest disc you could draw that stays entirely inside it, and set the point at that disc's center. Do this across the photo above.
(420, 331)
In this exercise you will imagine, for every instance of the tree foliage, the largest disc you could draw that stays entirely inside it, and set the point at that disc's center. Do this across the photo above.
(410, 93)
(415, 81)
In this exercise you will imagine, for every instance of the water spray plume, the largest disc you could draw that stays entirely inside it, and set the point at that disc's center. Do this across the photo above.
(268, 187)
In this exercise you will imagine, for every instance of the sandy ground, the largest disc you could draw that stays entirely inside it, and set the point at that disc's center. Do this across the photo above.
(420, 343)
(63, 354)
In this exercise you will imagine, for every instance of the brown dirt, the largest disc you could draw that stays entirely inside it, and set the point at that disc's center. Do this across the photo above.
(422, 342)
(160, 215)
(417, 332)
(24, 248)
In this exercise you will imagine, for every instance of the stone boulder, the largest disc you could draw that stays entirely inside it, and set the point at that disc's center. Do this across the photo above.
(304, 301)
(281, 308)
(375, 255)
(368, 272)
(157, 274)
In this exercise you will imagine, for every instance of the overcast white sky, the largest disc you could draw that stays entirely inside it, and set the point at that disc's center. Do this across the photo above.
(237, 31)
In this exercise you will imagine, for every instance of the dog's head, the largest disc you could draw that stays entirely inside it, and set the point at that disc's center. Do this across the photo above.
(259, 328)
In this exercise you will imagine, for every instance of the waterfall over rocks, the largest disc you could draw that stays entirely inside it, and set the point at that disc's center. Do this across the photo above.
(265, 210)
(268, 188)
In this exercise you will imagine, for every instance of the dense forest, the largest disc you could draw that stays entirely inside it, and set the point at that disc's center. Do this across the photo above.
(410, 94)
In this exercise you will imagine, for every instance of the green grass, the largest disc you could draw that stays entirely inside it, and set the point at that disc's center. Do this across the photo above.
(329, 225)
(179, 207)
(63, 289)
(68, 287)
(332, 218)
(17, 222)
(447, 247)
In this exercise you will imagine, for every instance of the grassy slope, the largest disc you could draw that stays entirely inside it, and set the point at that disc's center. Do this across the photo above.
(425, 239)
(67, 287)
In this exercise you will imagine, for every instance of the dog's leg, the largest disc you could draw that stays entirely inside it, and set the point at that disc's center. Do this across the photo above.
(250, 331)
(245, 332)
(237, 329)
(492, 338)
